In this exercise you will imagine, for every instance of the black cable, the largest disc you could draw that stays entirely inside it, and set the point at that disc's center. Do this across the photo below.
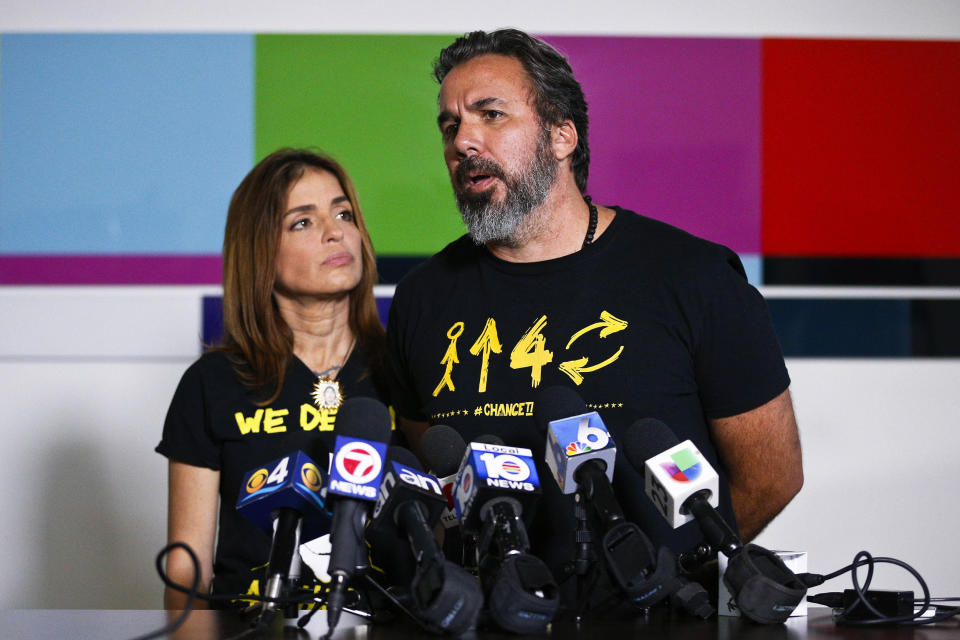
(863, 558)
(191, 592)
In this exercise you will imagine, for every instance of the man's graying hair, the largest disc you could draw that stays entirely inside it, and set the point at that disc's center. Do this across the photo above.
(557, 94)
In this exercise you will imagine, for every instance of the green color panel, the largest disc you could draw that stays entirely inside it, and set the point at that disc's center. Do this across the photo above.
(371, 102)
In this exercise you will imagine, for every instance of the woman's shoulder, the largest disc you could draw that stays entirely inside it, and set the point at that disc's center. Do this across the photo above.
(213, 366)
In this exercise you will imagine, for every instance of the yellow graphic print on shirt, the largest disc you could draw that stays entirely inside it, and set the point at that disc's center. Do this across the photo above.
(450, 358)
(486, 343)
(608, 324)
(530, 351)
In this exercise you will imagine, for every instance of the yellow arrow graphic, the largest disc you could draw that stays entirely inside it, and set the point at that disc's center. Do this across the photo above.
(575, 368)
(608, 324)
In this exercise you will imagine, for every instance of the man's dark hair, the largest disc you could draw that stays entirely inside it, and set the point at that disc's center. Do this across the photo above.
(557, 94)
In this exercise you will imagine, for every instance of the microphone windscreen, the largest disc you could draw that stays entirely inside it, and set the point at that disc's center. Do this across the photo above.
(554, 403)
(364, 418)
(490, 439)
(404, 457)
(645, 439)
(442, 449)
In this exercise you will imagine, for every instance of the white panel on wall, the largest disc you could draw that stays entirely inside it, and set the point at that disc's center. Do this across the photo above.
(880, 441)
(938, 19)
(101, 322)
(85, 505)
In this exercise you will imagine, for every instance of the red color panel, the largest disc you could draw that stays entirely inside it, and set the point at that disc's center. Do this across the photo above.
(861, 148)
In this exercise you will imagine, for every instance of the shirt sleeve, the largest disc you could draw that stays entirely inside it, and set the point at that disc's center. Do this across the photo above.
(187, 435)
(403, 393)
(738, 360)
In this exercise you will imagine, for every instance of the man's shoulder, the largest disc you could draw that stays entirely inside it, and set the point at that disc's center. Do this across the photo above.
(665, 244)
(460, 254)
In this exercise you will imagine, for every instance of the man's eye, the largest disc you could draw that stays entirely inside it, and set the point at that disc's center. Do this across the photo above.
(449, 131)
(492, 114)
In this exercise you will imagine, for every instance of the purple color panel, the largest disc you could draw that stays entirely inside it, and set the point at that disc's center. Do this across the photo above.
(113, 269)
(675, 130)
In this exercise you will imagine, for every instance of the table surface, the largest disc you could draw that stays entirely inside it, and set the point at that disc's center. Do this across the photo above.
(77, 624)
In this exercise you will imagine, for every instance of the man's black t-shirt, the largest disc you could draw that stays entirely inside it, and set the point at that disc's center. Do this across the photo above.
(648, 321)
(214, 422)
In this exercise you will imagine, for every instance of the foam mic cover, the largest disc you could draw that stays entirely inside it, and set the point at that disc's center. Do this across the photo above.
(442, 449)
(555, 403)
(364, 418)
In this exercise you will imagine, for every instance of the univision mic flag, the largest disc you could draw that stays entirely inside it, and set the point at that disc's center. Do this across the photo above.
(676, 474)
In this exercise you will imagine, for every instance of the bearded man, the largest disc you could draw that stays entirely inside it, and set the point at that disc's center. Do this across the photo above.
(640, 318)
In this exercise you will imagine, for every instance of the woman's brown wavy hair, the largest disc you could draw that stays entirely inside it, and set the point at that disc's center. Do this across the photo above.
(255, 336)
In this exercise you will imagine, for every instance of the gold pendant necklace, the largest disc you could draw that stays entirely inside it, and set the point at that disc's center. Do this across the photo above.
(327, 393)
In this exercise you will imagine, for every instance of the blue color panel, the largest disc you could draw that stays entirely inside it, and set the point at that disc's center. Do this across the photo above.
(212, 330)
(753, 265)
(122, 143)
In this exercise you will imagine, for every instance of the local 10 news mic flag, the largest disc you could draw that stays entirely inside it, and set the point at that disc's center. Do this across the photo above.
(446, 598)
(683, 486)
(581, 454)
(285, 497)
(363, 425)
(496, 487)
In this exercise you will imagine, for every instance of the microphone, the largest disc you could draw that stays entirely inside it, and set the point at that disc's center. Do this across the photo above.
(684, 487)
(355, 472)
(442, 449)
(445, 596)
(581, 453)
(285, 497)
(496, 485)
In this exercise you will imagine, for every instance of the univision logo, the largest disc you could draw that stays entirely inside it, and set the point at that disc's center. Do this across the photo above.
(684, 466)
(576, 447)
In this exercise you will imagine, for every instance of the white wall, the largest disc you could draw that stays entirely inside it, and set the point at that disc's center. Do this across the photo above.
(86, 373)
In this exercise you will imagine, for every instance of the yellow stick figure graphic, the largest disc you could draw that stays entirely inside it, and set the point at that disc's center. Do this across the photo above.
(450, 358)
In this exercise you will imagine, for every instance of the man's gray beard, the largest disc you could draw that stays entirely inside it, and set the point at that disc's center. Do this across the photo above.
(508, 223)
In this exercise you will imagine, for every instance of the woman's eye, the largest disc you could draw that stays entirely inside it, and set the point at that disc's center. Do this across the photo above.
(302, 223)
(346, 214)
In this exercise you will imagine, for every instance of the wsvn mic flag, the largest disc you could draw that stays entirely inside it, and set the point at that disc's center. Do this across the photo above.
(572, 441)
(357, 468)
(676, 474)
(293, 481)
(493, 469)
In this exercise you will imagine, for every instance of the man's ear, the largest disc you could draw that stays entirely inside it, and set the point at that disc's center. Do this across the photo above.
(563, 139)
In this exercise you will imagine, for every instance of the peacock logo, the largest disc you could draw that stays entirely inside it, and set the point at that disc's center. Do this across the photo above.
(576, 447)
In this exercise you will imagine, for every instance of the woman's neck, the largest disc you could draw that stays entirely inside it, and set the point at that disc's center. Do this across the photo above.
(322, 337)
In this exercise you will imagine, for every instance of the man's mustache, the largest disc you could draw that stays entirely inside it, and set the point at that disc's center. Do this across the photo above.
(476, 164)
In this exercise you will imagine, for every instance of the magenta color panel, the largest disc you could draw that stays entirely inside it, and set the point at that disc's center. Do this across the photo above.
(675, 130)
(112, 269)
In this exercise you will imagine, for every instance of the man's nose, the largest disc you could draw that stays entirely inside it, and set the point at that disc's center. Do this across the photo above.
(469, 141)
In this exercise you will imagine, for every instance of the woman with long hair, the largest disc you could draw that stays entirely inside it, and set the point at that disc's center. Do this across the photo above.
(301, 333)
